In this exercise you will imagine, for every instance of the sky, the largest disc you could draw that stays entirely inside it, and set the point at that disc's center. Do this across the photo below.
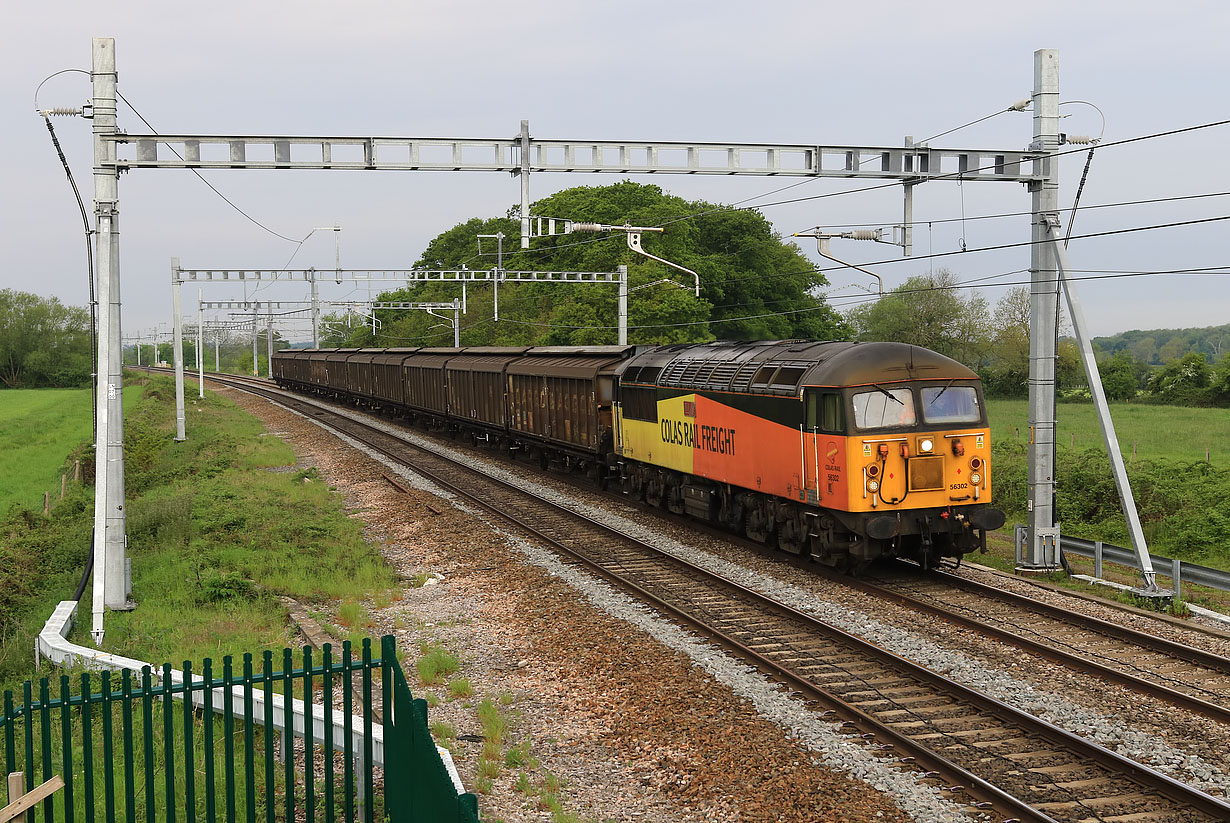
(715, 71)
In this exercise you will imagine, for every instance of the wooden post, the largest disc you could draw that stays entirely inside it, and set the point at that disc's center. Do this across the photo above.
(76, 471)
(20, 802)
(1073, 441)
(17, 790)
(1133, 449)
(46, 503)
(63, 484)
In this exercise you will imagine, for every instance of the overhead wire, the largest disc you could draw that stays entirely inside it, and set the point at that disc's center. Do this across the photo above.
(857, 299)
(201, 177)
(880, 186)
(89, 246)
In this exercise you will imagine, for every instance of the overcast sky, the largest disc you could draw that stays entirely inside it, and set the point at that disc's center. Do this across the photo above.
(779, 72)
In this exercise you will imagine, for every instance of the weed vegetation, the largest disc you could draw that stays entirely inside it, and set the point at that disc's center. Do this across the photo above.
(219, 526)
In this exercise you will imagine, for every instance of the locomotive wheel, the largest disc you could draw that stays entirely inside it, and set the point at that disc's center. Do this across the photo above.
(759, 523)
(792, 535)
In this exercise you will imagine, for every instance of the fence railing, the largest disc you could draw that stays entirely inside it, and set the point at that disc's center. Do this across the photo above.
(1180, 570)
(155, 747)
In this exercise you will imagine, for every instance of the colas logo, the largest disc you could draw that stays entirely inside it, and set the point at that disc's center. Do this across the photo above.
(831, 452)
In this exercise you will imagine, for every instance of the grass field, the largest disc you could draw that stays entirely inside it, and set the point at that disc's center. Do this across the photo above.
(1172, 432)
(38, 429)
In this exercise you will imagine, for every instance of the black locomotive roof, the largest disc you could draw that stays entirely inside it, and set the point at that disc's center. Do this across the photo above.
(781, 366)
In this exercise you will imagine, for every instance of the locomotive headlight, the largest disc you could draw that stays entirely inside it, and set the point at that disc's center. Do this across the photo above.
(926, 444)
(975, 478)
(873, 485)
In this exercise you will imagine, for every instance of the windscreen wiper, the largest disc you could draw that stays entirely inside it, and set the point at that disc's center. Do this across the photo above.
(946, 385)
(887, 393)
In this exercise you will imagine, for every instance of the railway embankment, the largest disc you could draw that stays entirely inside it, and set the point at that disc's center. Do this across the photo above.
(219, 527)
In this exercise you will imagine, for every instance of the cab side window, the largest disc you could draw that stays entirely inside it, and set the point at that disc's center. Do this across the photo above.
(825, 412)
(832, 417)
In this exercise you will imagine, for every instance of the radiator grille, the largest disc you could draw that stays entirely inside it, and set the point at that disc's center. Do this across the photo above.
(926, 474)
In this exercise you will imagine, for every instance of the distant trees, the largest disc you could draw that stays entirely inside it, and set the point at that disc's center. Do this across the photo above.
(1160, 346)
(754, 286)
(42, 342)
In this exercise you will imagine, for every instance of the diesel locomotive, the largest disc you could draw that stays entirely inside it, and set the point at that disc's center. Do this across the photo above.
(843, 452)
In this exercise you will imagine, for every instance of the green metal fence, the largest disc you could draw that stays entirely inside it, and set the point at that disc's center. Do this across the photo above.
(236, 744)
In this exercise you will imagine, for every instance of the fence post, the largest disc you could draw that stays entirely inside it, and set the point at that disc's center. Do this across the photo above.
(360, 787)
(1097, 559)
(17, 790)
(1176, 576)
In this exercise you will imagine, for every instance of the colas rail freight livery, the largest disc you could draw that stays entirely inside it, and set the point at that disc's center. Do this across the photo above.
(846, 452)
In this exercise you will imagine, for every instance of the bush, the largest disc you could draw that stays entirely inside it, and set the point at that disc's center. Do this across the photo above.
(1181, 504)
(224, 587)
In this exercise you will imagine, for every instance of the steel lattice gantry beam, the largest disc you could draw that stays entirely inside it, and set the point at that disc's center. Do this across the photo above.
(301, 305)
(181, 275)
(911, 164)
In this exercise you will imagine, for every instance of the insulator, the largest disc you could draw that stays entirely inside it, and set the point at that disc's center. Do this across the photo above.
(1020, 105)
(1081, 139)
(865, 234)
(590, 227)
(62, 112)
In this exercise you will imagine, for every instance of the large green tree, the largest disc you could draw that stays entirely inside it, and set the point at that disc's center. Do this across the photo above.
(754, 286)
(42, 341)
(933, 312)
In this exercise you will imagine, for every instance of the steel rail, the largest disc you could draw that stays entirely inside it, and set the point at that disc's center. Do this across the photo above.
(1068, 659)
(1144, 776)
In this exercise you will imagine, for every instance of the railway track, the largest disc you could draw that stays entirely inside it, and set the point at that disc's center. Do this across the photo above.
(991, 756)
(1192, 678)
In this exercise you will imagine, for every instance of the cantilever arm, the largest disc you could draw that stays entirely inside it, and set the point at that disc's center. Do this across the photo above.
(634, 243)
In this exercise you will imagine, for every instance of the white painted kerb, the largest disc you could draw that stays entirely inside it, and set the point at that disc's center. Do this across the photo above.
(53, 644)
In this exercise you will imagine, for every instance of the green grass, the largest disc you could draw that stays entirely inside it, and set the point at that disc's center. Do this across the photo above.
(1173, 432)
(218, 528)
(38, 430)
(435, 664)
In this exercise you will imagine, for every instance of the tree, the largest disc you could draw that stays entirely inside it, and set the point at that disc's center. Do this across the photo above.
(1172, 349)
(1145, 350)
(1183, 382)
(1219, 387)
(753, 285)
(1119, 376)
(42, 341)
(929, 311)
